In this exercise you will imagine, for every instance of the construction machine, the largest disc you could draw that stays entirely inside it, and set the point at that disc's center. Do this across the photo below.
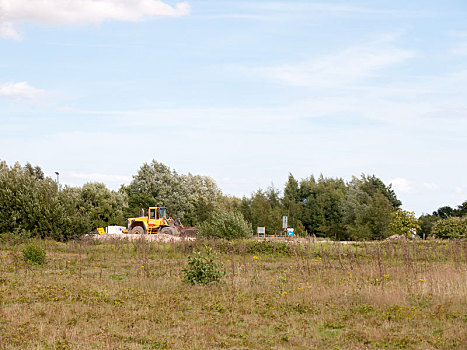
(157, 221)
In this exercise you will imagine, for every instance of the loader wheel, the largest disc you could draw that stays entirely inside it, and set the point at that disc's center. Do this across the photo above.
(137, 230)
(168, 231)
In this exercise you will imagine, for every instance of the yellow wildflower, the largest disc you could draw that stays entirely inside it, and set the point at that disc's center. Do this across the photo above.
(284, 293)
(255, 257)
(421, 280)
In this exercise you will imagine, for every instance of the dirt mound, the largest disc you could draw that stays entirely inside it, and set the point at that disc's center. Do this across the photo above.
(395, 238)
(189, 232)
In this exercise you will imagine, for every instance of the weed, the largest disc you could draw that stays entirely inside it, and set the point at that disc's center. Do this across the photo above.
(203, 268)
(364, 308)
(33, 254)
(117, 277)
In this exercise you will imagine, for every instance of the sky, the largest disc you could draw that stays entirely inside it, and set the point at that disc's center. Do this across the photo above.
(243, 91)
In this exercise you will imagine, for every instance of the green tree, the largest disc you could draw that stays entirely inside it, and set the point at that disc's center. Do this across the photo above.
(426, 222)
(31, 204)
(190, 197)
(103, 206)
(27, 204)
(461, 210)
(266, 210)
(404, 223)
(444, 212)
(321, 205)
(453, 227)
(367, 210)
(227, 225)
(292, 205)
(372, 184)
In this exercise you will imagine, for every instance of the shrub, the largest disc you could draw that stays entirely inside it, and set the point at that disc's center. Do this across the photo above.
(203, 269)
(34, 254)
(450, 228)
(226, 224)
(403, 223)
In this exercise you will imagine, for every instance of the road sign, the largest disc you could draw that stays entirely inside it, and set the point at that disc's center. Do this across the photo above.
(284, 222)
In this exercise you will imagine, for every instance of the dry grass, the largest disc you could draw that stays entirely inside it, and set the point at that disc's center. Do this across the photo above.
(130, 295)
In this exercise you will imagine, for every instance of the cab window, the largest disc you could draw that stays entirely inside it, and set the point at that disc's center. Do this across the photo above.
(152, 214)
(162, 213)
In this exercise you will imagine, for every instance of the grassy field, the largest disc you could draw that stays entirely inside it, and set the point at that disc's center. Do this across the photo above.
(131, 295)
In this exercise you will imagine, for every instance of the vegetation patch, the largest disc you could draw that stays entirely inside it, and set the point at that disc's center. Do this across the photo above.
(202, 268)
(34, 254)
(320, 296)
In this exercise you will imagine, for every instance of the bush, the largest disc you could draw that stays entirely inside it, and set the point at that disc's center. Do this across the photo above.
(34, 254)
(450, 228)
(226, 224)
(404, 223)
(203, 269)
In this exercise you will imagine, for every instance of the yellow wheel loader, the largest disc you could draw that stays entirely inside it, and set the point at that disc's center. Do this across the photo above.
(157, 221)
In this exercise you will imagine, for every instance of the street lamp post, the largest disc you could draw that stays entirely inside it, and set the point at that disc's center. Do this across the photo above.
(58, 182)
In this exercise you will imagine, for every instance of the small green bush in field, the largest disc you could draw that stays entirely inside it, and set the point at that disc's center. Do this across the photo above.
(33, 254)
(203, 269)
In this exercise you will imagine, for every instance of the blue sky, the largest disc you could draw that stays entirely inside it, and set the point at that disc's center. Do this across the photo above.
(242, 91)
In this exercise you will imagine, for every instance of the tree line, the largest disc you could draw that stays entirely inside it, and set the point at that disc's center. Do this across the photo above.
(361, 209)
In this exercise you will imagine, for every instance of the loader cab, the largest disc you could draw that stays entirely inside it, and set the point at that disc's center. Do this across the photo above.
(157, 213)
(157, 216)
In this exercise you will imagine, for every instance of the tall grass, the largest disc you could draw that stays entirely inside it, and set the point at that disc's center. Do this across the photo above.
(131, 295)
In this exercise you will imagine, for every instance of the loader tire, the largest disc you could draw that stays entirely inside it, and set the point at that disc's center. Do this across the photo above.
(137, 230)
(169, 231)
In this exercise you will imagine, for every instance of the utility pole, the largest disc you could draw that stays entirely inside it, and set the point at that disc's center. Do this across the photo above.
(58, 181)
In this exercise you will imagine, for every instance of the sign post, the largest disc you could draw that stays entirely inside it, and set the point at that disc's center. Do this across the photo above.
(261, 230)
(284, 223)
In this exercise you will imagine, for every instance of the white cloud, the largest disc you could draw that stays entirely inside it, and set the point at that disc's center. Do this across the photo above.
(401, 185)
(72, 12)
(351, 65)
(7, 30)
(21, 90)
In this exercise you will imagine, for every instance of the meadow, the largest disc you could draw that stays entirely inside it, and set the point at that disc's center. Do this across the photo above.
(116, 294)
